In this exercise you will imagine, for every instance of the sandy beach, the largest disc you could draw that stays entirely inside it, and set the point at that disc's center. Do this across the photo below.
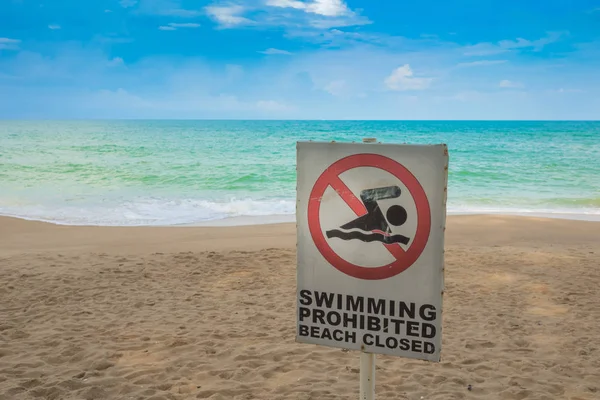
(195, 312)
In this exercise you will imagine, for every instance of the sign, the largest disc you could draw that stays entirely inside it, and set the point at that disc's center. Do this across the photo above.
(370, 226)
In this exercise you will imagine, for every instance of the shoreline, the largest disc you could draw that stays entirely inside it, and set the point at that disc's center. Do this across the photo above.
(291, 219)
(22, 236)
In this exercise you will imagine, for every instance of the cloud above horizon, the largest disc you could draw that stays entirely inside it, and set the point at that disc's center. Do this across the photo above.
(503, 46)
(291, 14)
(172, 26)
(272, 51)
(505, 83)
(328, 8)
(480, 63)
(293, 59)
(228, 16)
(9, 44)
(402, 79)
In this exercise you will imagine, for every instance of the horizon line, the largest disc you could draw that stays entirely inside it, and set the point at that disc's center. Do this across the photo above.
(297, 119)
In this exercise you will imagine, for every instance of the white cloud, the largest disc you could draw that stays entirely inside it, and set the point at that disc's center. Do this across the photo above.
(537, 45)
(481, 63)
(328, 8)
(53, 27)
(174, 25)
(320, 14)
(170, 8)
(336, 37)
(323, 83)
(563, 90)
(107, 11)
(402, 79)
(116, 62)
(9, 44)
(509, 84)
(299, 5)
(272, 51)
(271, 105)
(234, 71)
(184, 25)
(228, 16)
(485, 49)
(336, 88)
(172, 88)
(312, 14)
(321, 22)
(180, 12)
(128, 3)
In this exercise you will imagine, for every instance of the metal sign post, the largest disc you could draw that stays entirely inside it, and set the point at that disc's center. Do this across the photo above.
(367, 376)
(367, 360)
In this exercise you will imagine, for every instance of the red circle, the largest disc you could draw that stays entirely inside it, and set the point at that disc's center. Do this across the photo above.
(407, 258)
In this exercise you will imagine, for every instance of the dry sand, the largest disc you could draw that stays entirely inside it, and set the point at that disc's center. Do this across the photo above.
(185, 313)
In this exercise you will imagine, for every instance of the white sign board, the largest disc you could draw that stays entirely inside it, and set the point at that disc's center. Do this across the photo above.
(370, 225)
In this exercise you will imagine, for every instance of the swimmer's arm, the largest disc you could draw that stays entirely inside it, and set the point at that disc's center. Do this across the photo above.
(388, 192)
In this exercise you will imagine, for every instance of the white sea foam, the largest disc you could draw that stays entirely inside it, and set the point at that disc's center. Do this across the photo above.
(149, 212)
(231, 212)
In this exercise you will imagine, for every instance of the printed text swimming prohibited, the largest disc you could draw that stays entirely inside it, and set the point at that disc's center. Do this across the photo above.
(371, 224)
(370, 243)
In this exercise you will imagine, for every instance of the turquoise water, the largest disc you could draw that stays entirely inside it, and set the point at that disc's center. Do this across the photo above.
(180, 172)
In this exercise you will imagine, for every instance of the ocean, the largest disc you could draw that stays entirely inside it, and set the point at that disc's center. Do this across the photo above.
(166, 172)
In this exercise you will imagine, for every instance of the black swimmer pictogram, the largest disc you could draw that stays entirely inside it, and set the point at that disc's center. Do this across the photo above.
(374, 221)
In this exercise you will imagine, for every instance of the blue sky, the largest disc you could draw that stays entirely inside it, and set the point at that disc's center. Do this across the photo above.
(304, 59)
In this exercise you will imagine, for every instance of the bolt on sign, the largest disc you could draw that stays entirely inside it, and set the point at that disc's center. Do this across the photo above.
(370, 267)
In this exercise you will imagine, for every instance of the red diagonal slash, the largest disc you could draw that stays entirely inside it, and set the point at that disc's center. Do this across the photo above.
(359, 208)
